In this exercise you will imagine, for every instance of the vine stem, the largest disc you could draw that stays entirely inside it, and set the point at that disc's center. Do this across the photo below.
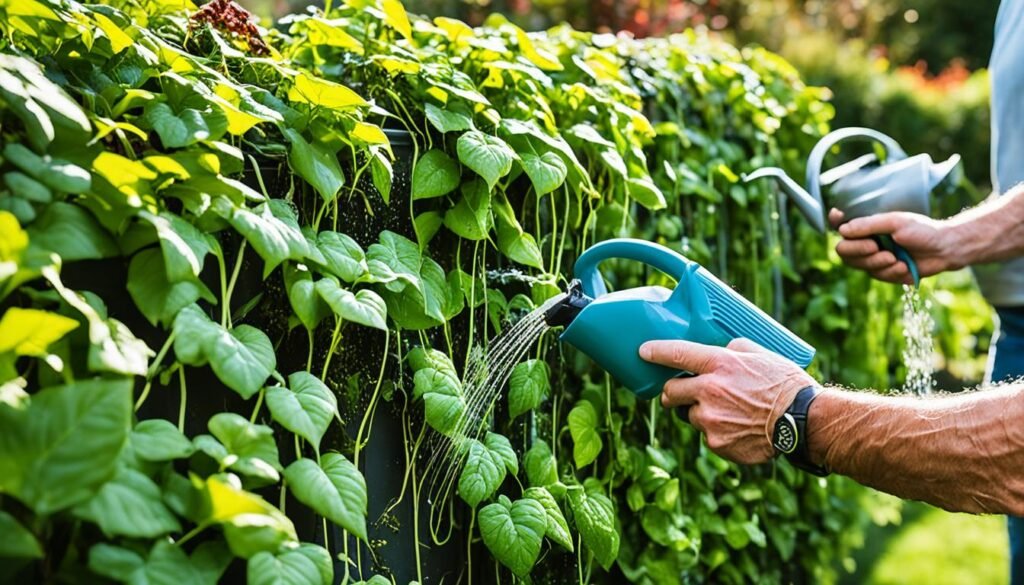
(191, 534)
(184, 395)
(259, 403)
(151, 372)
(469, 546)
(371, 408)
(335, 338)
(309, 358)
(222, 268)
(226, 307)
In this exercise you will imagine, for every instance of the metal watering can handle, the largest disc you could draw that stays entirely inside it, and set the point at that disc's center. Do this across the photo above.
(660, 257)
(817, 157)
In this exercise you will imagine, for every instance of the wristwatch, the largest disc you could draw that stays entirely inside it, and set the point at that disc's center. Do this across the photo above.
(790, 436)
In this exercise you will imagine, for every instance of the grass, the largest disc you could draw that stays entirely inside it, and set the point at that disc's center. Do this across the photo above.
(940, 548)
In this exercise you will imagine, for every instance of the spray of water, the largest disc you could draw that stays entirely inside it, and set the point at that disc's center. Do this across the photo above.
(918, 344)
(486, 375)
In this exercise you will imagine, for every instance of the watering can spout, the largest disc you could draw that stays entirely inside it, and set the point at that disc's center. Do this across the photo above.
(938, 172)
(812, 208)
(566, 310)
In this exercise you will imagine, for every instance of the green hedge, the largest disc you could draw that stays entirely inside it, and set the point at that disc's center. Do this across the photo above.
(241, 207)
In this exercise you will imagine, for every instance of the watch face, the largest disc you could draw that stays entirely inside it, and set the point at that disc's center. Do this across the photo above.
(785, 438)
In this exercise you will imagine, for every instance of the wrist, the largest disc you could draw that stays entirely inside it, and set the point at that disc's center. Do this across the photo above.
(818, 441)
(961, 243)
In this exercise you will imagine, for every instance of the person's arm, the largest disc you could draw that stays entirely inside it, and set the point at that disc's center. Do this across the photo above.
(990, 232)
(960, 452)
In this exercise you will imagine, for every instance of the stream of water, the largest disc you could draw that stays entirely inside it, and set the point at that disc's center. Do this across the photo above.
(918, 344)
(485, 376)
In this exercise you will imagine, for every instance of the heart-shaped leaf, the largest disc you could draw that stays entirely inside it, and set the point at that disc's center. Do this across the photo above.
(159, 440)
(471, 216)
(546, 170)
(434, 175)
(489, 156)
(595, 517)
(364, 306)
(343, 257)
(527, 387)
(303, 297)
(482, 474)
(540, 464)
(513, 532)
(586, 442)
(334, 489)
(61, 448)
(252, 446)
(442, 398)
(129, 505)
(305, 408)
(16, 541)
(558, 528)
(316, 164)
(286, 568)
(243, 358)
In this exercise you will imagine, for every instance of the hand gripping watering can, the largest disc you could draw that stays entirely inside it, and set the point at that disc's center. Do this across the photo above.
(864, 187)
(610, 326)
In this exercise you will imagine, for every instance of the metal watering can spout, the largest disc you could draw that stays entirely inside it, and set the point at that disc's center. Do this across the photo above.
(610, 327)
(812, 208)
(865, 185)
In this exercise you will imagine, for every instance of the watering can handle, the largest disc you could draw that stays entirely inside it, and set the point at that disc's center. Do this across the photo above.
(817, 157)
(660, 257)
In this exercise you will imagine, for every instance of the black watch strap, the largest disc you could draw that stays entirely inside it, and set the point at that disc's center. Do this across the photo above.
(790, 436)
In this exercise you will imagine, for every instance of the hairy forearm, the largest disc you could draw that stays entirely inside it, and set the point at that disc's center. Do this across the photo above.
(990, 232)
(963, 452)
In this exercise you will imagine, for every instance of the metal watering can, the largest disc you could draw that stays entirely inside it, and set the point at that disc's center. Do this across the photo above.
(610, 327)
(864, 186)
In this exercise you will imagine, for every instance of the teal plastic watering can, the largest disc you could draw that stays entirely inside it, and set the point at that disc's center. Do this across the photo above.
(866, 186)
(610, 327)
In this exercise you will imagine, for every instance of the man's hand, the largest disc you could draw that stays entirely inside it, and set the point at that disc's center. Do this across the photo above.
(928, 241)
(735, 397)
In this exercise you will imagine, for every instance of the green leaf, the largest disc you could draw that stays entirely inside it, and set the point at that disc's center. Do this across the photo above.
(527, 386)
(470, 218)
(489, 156)
(586, 441)
(321, 560)
(129, 505)
(193, 332)
(184, 247)
(270, 229)
(286, 568)
(16, 541)
(157, 298)
(513, 242)
(595, 518)
(434, 175)
(558, 528)
(382, 175)
(540, 464)
(305, 409)
(251, 534)
(243, 358)
(114, 562)
(167, 565)
(159, 440)
(645, 193)
(546, 170)
(72, 233)
(59, 450)
(335, 489)
(442, 397)
(513, 532)
(344, 257)
(316, 164)
(29, 332)
(421, 358)
(186, 127)
(426, 225)
(57, 174)
(303, 297)
(320, 92)
(500, 446)
(482, 474)
(252, 446)
(448, 120)
(364, 306)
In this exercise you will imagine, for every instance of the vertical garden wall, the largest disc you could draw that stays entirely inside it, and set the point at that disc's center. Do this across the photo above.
(243, 272)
